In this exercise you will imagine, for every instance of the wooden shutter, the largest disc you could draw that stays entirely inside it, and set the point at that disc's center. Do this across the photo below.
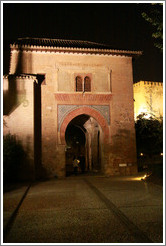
(78, 83)
(87, 84)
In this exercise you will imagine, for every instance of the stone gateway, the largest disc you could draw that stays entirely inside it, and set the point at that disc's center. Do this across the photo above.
(66, 98)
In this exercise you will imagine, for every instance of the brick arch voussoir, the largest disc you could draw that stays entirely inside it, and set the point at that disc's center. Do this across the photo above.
(84, 110)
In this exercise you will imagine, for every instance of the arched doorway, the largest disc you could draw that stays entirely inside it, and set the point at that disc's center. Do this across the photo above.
(83, 140)
(87, 118)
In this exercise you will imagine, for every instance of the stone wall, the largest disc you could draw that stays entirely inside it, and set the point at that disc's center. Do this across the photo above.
(148, 98)
(19, 116)
(112, 88)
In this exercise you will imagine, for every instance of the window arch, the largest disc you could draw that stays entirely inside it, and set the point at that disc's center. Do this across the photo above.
(87, 84)
(78, 83)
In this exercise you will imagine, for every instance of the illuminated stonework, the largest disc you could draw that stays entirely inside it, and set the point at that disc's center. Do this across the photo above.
(63, 110)
(148, 98)
(42, 103)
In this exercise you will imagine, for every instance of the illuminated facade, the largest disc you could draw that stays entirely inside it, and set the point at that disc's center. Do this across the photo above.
(64, 98)
(148, 98)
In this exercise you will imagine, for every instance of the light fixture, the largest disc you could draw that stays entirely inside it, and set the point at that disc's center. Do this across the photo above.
(144, 177)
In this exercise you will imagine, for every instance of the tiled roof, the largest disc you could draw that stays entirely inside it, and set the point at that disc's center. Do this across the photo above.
(67, 45)
(61, 43)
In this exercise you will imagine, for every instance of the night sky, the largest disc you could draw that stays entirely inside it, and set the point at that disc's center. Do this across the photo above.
(118, 24)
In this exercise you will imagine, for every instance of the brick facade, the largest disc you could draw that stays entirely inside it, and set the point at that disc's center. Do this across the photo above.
(109, 103)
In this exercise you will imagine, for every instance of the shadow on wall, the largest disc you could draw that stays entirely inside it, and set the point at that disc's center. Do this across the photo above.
(19, 65)
(14, 96)
(17, 165)
(40, 171)
(15, 160)
(7, 58)
(15, 93)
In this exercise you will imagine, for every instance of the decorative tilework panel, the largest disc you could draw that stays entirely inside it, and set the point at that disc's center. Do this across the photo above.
(63, 110)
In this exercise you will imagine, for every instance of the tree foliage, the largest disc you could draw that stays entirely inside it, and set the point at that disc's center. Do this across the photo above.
(154, 16)
(149, 135)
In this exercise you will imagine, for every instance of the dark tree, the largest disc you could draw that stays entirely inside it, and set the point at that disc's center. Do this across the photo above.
(154, 15)
(149, 135)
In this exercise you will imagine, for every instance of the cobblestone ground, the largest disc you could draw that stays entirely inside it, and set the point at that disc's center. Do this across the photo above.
(85, 209)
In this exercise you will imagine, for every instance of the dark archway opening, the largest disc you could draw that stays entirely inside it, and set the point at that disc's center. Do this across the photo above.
(83, 141)
(75, 139)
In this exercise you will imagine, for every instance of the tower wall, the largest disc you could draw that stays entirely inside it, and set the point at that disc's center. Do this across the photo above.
(148, 98)
(19, 117)
(111, 96)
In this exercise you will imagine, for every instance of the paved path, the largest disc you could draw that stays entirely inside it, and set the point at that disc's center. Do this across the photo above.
(84, 209)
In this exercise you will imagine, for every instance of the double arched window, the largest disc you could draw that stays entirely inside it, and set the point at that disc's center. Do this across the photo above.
(83, 84)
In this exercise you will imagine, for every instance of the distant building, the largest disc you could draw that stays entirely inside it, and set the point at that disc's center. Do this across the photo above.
(148, 98)
(65, 98)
